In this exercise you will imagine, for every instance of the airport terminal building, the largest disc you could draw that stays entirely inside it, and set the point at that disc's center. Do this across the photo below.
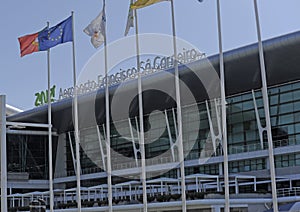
(248, 159)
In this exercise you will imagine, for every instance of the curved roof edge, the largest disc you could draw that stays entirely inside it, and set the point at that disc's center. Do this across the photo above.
(242, 63)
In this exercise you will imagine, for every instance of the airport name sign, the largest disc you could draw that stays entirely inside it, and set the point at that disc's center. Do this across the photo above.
(146, 67)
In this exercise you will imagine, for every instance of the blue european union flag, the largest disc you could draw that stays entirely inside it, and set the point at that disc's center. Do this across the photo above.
(61, 33)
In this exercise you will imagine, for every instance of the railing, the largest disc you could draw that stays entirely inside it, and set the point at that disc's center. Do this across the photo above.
(244, 148)
(288, 192)
(257, 146)
(119, 165)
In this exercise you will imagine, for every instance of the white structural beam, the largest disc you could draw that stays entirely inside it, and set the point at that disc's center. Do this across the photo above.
(261, 129)
(223, 109)
(266, 109)
(29, 132)
(3, 154)
(22, 124)
(179, 114)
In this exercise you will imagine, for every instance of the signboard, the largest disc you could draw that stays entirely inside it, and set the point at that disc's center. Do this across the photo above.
(147, 67)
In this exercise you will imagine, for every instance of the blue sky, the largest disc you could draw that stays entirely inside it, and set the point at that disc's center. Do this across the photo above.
(195, 22)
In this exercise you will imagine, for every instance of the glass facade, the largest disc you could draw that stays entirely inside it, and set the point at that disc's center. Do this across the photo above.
(243, 134)
(28, 154)
(247, 149)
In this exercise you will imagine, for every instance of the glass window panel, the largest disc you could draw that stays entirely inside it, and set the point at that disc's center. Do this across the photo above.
(296, 106)
(274, 100)
(290, 129)
(236, 98)
(278, 164)
(285, 119)
(296, 95)
(273, 90)
(259, 166)
(274, 121)
(274, 110)
(237, 128)
(251, 135)
(257, 94)
(296, 85)
(249, 115)
(238, 137)
(259, 102)
(285, 163)
(247, 96)
(297, 117)
(297, 128)
(261, 113)
(286, 108)
(235, 108)
(297, 162)
(236, 118)
(248, 105)
(286, 97)
(285, 88)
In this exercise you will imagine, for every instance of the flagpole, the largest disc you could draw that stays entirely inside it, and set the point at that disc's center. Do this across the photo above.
(141, 115)
(77, 141)
(50, 134)
(223, 109)
(179, 115)
(266, 109)
(107, 117)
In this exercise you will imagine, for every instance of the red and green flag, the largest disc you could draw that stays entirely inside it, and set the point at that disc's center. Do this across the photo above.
(47, 38)
(29, 44)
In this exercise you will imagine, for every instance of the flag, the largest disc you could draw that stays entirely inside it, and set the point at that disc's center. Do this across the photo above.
(96, 29)
(61, 33)
(144, 3)
(29, 43)
(129, 19)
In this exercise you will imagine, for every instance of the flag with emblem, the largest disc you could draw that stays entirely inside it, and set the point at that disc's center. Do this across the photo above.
(144, 3)
(96, 29)
(129, 19)
(61, 33)
(29, 43)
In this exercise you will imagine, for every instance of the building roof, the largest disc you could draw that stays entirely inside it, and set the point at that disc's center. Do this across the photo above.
(242, 73)
(11, 110)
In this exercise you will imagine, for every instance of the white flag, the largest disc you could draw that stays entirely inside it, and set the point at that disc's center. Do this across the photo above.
(96, 29)
(129, 19)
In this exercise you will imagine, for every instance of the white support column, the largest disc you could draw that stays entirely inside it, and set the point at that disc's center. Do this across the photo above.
(266, 109)
(141, 117)
(217, 208)
(3, 154)
(213, 135)
(50, 163)
(218, 184)
(179, 114)
(76, 127)
(236, 182)
(258, 122)
(137, 127)
(135, 149)
(174, 120)
(170, 136)
(72, 151)
(103, 155)
(223, 109)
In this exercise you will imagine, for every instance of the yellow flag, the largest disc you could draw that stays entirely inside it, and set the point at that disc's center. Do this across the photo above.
(144, 3)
